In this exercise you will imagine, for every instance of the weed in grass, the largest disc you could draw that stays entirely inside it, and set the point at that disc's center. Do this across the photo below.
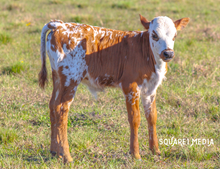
(16, 68)
(190, 42)
(206, 12)
(55, 2)
(5, 38)
(214, 111)
(40, 121)
(81, 19)
(82, 120)
(174, 67)
(4, 14)
(13, 6)
(35, 30)
(80, 6)
(7, 135)
(12, 26)
(176, 11)
(122, 5)
(76, 19)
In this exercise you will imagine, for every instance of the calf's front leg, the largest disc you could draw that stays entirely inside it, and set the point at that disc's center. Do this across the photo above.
(149, 103)
(134, 118)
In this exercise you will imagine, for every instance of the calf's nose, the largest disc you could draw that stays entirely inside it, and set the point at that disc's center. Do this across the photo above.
(168, 54)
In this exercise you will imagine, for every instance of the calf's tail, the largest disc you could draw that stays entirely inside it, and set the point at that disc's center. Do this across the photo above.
(42, 76)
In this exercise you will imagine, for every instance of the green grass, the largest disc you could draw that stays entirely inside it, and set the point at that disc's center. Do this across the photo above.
(7, 136)
(188, 102)
(123, 5)
(5, 38)
(16, 68)
(81, 19)
(55, 2)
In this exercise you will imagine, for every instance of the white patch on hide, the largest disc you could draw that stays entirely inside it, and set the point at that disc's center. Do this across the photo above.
(54, 56)
(147, 101)
(150, 86)
(74, 64)
(132, 97)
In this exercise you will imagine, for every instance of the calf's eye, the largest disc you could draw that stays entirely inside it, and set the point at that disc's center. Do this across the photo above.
(155, 36)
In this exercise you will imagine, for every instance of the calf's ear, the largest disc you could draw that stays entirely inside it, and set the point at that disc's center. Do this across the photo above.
(181, 23)
(144, 22)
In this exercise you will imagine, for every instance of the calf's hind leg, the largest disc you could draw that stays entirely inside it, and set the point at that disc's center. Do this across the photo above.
(60, 102)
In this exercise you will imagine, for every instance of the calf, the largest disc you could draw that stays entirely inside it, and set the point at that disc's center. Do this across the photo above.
(135, 61)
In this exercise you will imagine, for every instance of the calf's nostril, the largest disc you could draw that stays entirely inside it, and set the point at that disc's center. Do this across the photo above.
(168, 54)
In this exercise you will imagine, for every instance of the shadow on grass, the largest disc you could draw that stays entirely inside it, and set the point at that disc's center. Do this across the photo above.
(38, 159)
(83, 119)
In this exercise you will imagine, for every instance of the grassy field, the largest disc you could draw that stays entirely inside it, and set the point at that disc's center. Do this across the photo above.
(188, 102)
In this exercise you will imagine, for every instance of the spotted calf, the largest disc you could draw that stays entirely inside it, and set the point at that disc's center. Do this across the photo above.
(135, 61)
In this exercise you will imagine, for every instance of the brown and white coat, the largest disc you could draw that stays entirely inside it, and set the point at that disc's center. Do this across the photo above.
(134, 61)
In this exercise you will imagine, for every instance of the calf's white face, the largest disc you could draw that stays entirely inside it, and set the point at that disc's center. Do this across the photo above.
(162, 32)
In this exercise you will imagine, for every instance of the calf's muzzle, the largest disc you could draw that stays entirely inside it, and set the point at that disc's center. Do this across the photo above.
(167, 55)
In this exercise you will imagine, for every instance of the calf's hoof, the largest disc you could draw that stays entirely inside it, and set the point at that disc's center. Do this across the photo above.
(53, 153)
(155, 152)
(65, 158)
(158, 152)
(136, 156)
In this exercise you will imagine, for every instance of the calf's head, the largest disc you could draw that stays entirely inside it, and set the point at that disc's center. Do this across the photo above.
(162, 32)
